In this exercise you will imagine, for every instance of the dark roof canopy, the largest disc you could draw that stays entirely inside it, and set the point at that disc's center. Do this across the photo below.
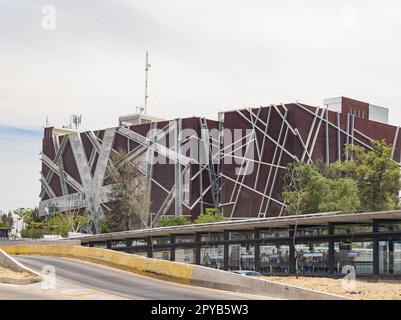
(249, 224)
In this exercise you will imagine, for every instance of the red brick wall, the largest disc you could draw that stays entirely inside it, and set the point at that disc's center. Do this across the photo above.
(358, 108)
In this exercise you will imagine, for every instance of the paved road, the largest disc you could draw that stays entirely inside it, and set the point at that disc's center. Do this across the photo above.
(117, 283)
(65, 290)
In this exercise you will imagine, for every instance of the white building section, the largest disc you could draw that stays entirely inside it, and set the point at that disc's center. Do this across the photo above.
(378, 114)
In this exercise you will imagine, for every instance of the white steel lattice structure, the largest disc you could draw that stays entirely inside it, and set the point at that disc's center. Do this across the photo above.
(279, 135)
(174, 156)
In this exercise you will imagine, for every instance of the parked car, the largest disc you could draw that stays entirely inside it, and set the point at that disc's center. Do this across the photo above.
(249, 273)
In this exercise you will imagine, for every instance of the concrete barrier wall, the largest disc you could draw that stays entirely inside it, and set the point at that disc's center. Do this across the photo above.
(10, 263)
(160, 269)
(175, 271)
(223, 280)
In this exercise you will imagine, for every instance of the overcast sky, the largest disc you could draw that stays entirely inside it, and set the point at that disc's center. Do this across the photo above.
(206, 56)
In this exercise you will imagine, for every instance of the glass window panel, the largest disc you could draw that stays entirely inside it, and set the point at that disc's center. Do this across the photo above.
(241, 235)
(312, 257)
(119, 244)
(356, 254)
(185, 239)
(389, 226)
(241, 257)
(161, 254)
(312, 231)
(397, 257)
(212, 237)
(274, 259)
(161, 241)
(353, 228)
(274, 233)
(185, 255)
(212, 256)
(390, 256)
(139, 242)
(385, 256)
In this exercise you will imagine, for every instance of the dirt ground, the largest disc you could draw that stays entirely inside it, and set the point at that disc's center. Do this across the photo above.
(7, 273)
(364, 289)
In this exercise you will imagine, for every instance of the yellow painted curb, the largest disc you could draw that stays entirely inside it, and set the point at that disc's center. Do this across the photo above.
(160, 269)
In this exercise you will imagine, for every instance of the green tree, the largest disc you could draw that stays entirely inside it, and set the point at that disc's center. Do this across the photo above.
(369, 181)
(308, 191)
(30, 217)
(170, 221)
(58, 224)
(33, 233)
(63, 223)
(210, 215)
(3, 220)
(34, 227)
(130, 201)
(104, 224)
(340, 195)
(7, 220)
(377, 175)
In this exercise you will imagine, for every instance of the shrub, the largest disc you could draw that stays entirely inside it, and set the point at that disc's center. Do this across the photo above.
(210, 215)
(34, 233)
(172, 221)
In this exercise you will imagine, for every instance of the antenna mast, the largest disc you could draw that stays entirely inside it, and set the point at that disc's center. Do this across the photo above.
(147, 67)
(76, 120)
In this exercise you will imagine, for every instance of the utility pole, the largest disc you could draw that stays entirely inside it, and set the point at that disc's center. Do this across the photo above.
(147, 67)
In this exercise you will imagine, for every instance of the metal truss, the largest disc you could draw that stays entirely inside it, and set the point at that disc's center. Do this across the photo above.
(91, 195)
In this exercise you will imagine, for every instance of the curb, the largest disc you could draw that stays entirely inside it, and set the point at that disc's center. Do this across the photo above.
(9, 262)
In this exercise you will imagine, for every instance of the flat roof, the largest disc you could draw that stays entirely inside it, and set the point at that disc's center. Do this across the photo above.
(248, 224)
(140, 115)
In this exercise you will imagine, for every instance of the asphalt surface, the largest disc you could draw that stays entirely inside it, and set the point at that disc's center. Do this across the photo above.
(116, 283)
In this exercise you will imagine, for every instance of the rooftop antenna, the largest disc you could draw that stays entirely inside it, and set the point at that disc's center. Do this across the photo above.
(139, 109)
(47, 122)
(76, 120)
(147, 67)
